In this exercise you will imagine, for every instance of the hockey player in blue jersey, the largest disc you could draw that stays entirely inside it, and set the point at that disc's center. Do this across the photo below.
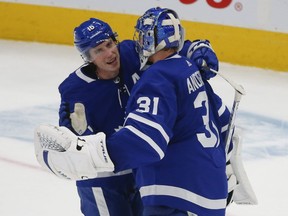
(97, 94)
(117, 69)
(173, 134)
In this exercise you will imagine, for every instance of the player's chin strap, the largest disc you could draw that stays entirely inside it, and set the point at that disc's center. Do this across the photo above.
(68, 156)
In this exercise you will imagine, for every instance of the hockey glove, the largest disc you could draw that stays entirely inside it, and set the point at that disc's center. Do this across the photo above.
(68, 156)
(204, 56)
(75, 119)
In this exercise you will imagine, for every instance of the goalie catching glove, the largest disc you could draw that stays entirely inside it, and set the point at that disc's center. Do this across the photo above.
(68, 156)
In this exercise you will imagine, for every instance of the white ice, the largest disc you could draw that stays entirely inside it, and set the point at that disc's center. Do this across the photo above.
(29, 76)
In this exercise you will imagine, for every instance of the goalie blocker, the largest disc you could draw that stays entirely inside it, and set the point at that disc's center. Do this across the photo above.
(62, 153)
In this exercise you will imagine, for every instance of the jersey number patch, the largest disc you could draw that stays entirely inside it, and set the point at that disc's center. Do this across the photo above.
(213, 139)
(145, 105)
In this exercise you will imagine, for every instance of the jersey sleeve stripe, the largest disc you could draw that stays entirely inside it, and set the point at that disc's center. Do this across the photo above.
(146, 139)
(222, 109)
(151, 124)
(224, 128)
(100, 200)
(83, 76)
(166, 190)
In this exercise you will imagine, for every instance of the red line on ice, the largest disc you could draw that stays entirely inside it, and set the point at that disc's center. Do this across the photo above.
(19, 163)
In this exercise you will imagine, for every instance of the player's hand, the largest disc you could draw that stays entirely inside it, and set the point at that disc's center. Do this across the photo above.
(204, 56)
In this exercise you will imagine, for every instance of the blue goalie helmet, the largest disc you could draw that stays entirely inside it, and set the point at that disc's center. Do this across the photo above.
(90, 34)
(157, 29)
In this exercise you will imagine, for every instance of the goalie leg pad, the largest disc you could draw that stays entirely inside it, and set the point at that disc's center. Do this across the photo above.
(232, 182)
(243, 193)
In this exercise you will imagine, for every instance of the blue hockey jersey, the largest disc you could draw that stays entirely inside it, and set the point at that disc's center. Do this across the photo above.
(104, 100)
(174, 136)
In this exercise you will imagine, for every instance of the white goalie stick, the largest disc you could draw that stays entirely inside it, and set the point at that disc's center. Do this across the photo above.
(239, 91)
(243, 193)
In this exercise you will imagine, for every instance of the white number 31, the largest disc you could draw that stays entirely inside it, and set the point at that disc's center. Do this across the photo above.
(145, 105)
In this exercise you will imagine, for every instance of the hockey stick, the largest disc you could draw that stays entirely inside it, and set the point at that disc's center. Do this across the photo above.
(239, 91)
(243, 193)
(236, 86)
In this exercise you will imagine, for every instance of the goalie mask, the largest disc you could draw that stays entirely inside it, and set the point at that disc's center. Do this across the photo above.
(90, 34)
(157, 29)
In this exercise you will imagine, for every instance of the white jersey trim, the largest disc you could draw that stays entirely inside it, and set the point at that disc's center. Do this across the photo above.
(224, 128)
(100, 201)
(82, 76)
(220, 113)
(151, 124)
(221, 110)
(147, 139)
(111, 174)
(166, 190)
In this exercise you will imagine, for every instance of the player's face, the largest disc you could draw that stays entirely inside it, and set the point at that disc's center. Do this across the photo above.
(107, 59)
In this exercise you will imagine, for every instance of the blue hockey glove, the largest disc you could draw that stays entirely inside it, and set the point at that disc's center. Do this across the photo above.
(64, 115)
(202, 53)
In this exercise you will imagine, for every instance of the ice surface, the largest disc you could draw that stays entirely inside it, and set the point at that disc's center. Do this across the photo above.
(29, 76)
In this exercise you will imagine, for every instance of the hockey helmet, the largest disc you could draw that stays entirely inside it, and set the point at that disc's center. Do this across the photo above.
(90, 34)
(157, 29)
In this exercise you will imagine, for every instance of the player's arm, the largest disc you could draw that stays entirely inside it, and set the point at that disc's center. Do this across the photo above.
(148, 126)
(143, 139)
